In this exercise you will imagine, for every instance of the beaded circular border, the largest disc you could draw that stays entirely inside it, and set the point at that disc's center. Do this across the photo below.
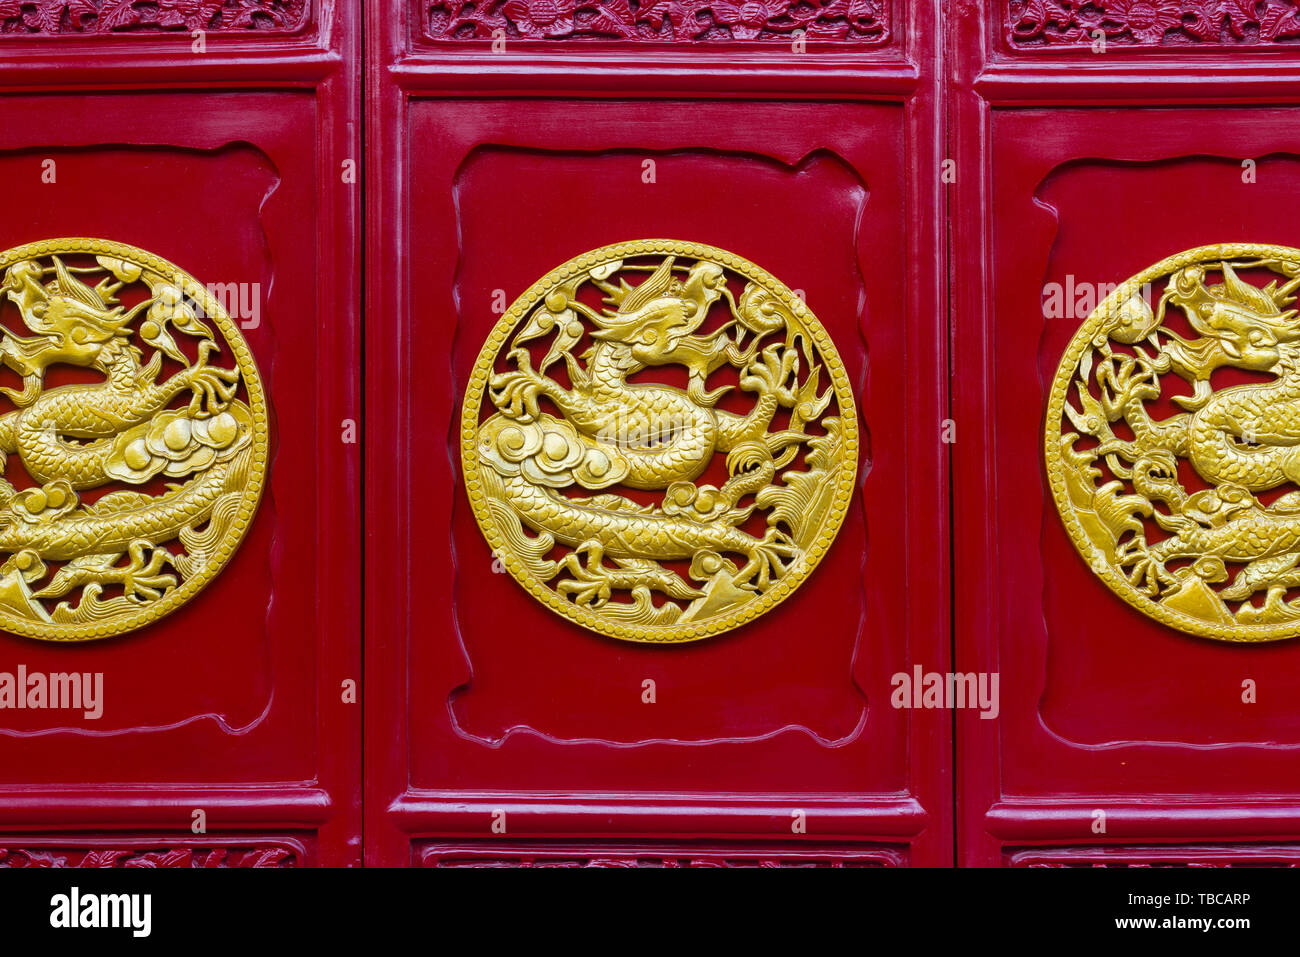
(1086, 337)
(804, 566)
(252, 494)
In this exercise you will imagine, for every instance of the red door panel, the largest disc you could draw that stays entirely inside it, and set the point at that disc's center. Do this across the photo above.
(1075, 169)
(229, 162)
(500, 731)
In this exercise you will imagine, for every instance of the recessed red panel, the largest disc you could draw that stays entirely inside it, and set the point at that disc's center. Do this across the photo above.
(483, 700)
(232, 704)
(1115, 728)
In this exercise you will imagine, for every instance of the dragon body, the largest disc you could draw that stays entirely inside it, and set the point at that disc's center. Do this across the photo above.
(628, 534)
(129, 397)
(1250, 435)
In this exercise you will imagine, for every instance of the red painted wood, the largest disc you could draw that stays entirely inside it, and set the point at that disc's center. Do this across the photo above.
(483, 170)
(487, 169)
(228, 163)
(1095, 166)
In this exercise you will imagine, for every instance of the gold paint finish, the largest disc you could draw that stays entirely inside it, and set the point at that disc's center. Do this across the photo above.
(1173, 442)
(637, 508)
(127, 489)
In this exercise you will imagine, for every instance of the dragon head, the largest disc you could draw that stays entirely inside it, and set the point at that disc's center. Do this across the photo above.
(1246, 323)
(656, 320)
(73, 322)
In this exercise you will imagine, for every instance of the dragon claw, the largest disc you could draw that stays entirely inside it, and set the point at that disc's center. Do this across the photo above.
(516, 393)
(769, 374)
(589, 585)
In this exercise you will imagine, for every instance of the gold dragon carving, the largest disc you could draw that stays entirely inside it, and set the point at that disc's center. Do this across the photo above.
(1173, 441)
(638, 508)
(126, 489)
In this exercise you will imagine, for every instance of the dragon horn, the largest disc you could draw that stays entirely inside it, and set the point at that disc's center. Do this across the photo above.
(70, 285)
(1245, 293)
(649, 290)
(1282, 294)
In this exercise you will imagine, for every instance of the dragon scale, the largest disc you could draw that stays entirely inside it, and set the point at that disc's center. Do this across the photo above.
(160, 520)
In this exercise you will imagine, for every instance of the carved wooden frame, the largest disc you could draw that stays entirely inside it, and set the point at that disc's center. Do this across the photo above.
(406, 65)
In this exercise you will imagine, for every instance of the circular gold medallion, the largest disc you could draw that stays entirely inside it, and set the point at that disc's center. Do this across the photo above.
(659, 441)
(1173, 441)
(133, 437)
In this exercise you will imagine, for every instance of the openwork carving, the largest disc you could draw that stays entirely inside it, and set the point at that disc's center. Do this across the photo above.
(55, 17)
(860, 21)
(636, 507)
(1173, 441)
(126, 489)
(1152, 23)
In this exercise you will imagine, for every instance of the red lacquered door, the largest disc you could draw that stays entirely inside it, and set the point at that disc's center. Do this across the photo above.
(792, 151)
(194, 157)
(1090, 145)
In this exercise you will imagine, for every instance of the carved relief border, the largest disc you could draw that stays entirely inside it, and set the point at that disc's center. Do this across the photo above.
(1151, 24)
(663, 21)
(151, 854)
(49, 18)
